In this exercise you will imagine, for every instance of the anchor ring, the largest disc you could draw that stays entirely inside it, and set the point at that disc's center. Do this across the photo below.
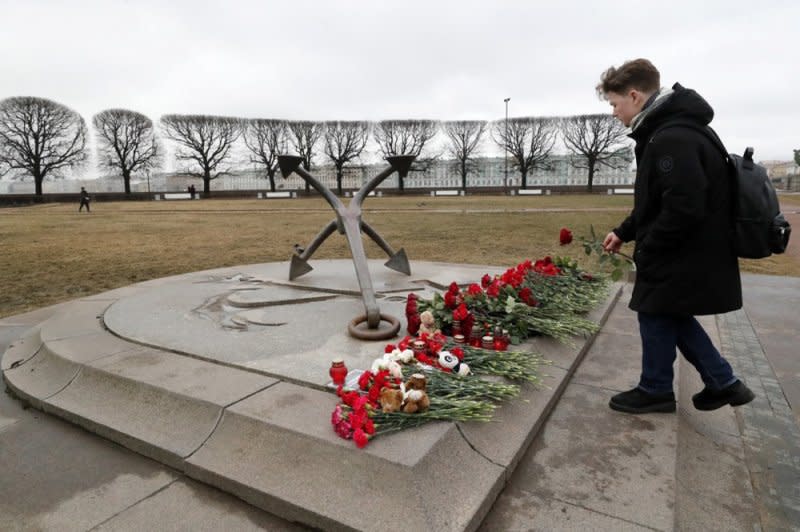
(373, 334)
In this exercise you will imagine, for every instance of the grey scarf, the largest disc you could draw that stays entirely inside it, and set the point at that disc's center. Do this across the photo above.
(659, 98)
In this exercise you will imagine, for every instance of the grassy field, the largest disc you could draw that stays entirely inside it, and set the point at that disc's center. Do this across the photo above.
(51, 253)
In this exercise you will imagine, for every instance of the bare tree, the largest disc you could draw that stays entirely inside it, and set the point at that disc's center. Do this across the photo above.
(40, 137)
(465, 136)
(304, 136)
(266, 139)
(344, 141)
(595, 140)
(528, 140)
(126, 142)
(203, 140)
(407, 137)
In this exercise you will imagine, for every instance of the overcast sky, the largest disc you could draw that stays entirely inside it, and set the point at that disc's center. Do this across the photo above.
(440, 59)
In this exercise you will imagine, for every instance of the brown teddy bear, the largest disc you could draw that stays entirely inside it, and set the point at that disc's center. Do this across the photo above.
(415, 396)
(428, 323)
(390, 399)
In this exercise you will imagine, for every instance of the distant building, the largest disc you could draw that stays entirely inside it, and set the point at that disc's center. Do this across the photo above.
(489, 172)
(785, 175)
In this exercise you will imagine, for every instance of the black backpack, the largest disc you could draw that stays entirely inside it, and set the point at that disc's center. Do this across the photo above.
(759, 227)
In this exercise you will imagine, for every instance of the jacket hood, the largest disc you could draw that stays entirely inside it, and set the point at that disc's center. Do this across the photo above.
(683, 105)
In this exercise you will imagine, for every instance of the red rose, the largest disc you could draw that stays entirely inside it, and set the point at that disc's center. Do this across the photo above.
(454, 289)
(474, 290)
(360, 437)
(369, 427)
(461, 312)
(389, 348)
(565, 236)
(413, 324)
(458, 353)
(450, 300)
(485, 280)
(494, 289)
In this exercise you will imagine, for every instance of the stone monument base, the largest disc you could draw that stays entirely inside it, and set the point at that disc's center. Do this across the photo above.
(223, 375)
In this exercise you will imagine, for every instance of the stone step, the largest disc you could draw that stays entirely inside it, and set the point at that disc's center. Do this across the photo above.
(269, 441)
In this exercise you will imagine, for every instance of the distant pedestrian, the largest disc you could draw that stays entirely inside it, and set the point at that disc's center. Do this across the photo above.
(85, 199)
(192, 191)
(681, 221)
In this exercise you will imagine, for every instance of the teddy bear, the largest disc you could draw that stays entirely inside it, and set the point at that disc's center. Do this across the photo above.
(428, 323)
(449, 361)
(415, 396)
(390, 399)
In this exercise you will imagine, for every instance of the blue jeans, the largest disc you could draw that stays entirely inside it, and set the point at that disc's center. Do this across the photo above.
(661, 334)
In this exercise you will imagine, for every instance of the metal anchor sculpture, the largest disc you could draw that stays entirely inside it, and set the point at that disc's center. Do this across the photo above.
(348, 222)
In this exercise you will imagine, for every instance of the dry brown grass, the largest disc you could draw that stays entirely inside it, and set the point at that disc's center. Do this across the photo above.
(50, 253)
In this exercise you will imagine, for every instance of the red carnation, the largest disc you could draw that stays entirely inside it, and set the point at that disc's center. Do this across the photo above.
(458, 353)
(485, 280)
(389, 348)
(369, 427)
(360, 437)
(363, 380)
(526, 295)
(565, 236)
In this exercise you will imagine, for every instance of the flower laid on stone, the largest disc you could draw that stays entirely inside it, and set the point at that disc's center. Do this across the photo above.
(544, 297)
(437, 380)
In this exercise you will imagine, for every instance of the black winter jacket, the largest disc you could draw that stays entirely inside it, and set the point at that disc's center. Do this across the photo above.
(682, 214)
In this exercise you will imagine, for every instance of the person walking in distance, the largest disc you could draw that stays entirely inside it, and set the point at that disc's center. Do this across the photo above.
(84, 200)
(682, 223)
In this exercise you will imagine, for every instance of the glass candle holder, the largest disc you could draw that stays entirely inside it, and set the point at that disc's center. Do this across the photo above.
(338, 371)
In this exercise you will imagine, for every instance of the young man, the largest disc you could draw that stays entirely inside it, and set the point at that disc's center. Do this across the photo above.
(84, 200)
(681, 222)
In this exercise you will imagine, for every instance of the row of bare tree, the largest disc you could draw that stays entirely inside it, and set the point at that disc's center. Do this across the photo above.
(42, 138)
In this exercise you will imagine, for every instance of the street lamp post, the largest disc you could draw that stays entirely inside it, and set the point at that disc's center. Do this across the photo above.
(505, 147)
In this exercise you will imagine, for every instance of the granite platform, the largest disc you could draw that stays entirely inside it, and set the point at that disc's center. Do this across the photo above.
(222, 375)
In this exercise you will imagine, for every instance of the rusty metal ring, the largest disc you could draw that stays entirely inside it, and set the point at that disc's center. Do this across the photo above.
(373, 334)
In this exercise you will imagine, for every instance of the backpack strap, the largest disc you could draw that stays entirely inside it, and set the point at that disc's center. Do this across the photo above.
(707, 131)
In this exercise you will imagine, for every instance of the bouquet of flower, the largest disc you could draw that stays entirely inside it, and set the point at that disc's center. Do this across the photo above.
(454, 387)
(532, 298)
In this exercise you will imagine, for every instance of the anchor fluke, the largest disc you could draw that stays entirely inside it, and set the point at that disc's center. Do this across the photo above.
(401, 163)
(298, 267)
(399, 262)
(288, 164)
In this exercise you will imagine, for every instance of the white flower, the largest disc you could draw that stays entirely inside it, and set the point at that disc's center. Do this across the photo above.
(396, 354)
(463, 370)
(395, 369)
(406, 356)
(379, 364)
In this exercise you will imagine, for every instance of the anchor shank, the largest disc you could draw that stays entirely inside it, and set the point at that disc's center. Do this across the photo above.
(353, 232)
